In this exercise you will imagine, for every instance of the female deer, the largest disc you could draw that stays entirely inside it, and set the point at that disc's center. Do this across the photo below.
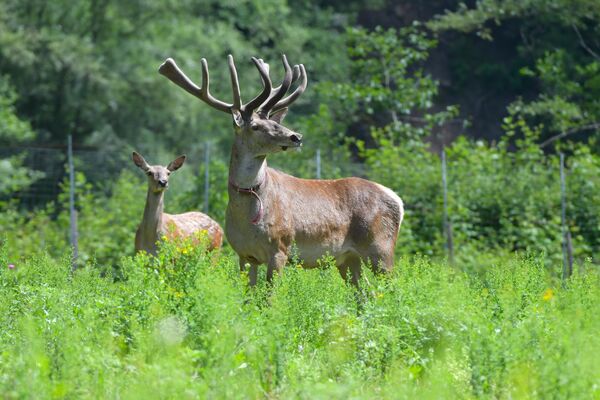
(156, 223)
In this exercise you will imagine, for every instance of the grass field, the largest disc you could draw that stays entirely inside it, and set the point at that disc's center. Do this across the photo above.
(185, 326)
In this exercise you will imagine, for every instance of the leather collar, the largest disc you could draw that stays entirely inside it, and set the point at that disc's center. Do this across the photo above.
(253, 192)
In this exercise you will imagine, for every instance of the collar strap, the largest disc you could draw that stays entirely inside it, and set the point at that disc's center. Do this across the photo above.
(251, 191)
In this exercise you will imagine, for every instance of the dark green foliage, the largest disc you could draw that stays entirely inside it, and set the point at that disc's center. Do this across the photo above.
(554, 59)
(90, 68)
(502, 198)
(13, 131)
(499, 200)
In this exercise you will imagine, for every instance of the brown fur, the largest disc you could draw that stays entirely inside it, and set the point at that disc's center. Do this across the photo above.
(351, 219)
(180, 226)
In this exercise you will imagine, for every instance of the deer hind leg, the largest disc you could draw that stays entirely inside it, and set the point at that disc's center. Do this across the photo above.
(252, 271)
(276, 263)
(381, 257)
(343, 269)
(351, 264)
(382, 264)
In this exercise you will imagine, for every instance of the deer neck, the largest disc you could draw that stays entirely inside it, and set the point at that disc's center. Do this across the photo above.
(246, 170)
(153, 214)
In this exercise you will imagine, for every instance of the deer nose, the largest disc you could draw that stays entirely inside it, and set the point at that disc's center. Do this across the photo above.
(162, 182)
(296, 138)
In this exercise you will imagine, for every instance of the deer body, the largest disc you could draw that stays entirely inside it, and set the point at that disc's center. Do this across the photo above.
(270, 212)
(350, 219)
(157, 224)
(344, 222)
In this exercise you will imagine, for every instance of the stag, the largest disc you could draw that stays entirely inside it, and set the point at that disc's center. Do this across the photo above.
(270, 212)
(157, 224)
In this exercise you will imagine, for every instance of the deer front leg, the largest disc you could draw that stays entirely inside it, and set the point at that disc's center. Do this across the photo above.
(276, 262)
(253, 270)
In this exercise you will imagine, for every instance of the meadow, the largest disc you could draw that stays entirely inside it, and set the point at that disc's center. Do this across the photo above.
(185, 325)
(504, 89)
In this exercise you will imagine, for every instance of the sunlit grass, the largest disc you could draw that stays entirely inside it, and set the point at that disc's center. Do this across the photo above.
(185, 325)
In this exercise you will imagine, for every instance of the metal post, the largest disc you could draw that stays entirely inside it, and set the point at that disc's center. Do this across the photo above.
(206, 175)
(566, 235)
(318, 161)
(447, 227)
(72, 211)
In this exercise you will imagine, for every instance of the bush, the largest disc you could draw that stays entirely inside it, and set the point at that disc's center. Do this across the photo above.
(185, 325)
(502, 198)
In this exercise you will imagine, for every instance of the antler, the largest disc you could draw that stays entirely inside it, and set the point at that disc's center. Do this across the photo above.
(235, 84)
(299, 72)
(296, 93)
(170, 69)
(278, 92)
(263, 70)
(270, 99)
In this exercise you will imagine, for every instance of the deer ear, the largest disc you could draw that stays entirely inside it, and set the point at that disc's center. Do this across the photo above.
(279, 115)
(238, 119)
(139, 161)
(176, 163)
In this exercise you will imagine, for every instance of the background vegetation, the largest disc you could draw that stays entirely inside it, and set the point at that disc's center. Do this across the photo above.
(184, 325)
(503, 86)
(390, 84)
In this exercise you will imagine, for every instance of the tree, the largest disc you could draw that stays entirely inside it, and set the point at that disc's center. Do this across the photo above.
(13, 130)
(558, 49)
(389, 93)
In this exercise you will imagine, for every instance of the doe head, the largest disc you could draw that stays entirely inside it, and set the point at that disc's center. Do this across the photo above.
(158, 176)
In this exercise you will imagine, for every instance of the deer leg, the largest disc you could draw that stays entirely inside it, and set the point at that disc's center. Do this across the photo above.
(276, 263)
(253, 270)
(353, 265)
(343, 268)
(381, 257)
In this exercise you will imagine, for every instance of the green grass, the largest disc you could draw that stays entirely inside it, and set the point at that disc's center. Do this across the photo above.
(186, 326)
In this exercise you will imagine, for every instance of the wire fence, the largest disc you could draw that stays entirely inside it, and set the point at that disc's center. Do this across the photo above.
(60, 164)
(49, 161)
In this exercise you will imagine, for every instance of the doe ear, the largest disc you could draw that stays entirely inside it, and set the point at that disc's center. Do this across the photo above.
(238, 119)
(279, 115)
(139, 161)
(176, 163)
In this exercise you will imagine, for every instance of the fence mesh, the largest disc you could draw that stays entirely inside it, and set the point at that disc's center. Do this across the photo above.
(103, 167)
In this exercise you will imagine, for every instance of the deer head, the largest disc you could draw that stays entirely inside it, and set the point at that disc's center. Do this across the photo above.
(158, 176)
(258, 122)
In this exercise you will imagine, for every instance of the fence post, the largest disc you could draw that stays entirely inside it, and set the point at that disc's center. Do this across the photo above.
(567, 247)
(318, 161)
(206, 175)
(72, 212)
(447, 227)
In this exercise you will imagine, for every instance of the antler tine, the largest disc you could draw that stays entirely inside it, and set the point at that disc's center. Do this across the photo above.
(266, 65)
(235, 84)
(296, 93)
(206, 96)
(297, 73)
(170, 70)
(266, 68)
(263, 69)
(285, 85)
(295, 77)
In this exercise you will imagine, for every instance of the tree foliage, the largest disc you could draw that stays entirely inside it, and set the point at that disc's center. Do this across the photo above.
(375, 105)
(13, 131)
(557, 48)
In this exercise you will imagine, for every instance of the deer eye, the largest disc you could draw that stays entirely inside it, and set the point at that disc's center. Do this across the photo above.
(254, 127)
